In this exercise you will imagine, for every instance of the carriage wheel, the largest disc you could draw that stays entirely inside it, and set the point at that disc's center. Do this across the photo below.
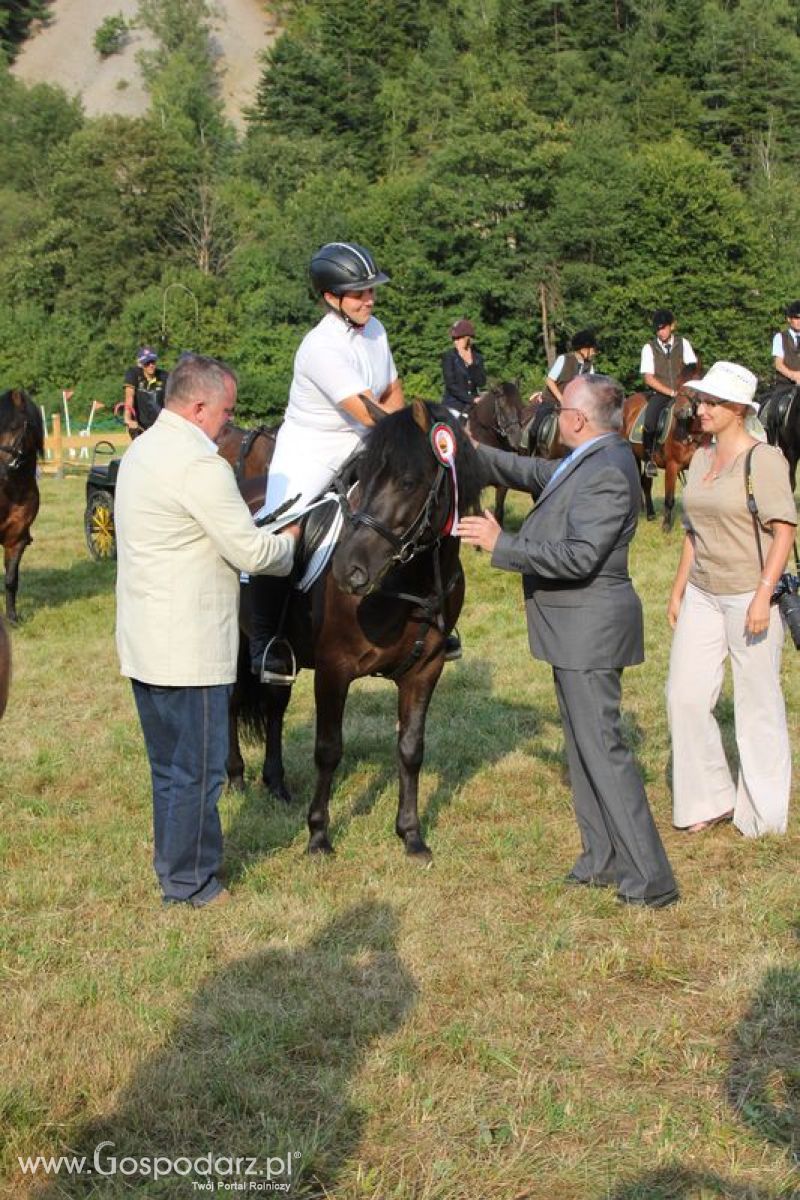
(99, 526)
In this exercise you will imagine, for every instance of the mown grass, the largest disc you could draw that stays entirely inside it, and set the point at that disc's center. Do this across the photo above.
(476, 1030)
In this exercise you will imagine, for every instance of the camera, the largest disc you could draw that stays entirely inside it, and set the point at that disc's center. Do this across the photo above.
(788, 601)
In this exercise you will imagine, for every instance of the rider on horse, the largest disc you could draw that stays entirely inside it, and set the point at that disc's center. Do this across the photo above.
(663, 358)
(580, 361)
(342, 371)
(786, 357)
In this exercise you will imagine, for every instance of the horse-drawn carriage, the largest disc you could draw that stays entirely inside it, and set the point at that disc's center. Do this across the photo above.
(98, 517)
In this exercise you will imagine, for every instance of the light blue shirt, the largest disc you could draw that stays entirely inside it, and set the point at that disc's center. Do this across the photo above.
(576, 453)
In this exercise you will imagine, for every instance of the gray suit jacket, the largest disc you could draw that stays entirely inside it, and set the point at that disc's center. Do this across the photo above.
(572, 553)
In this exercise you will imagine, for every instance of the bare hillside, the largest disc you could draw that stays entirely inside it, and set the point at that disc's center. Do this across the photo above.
(62, 53)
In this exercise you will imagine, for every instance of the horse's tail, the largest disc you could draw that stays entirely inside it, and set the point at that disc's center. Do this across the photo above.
(247, 697)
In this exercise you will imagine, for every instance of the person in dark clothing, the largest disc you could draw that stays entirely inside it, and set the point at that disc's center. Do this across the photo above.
(463, 370)
(786, 349)
(144, 392)
(663, 358)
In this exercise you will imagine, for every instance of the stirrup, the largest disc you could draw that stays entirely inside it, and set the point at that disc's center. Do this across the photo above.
(283, 678)
(650, 469)
(452, 647)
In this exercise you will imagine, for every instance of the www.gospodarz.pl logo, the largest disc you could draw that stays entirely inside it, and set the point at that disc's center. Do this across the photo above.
(206, 1172)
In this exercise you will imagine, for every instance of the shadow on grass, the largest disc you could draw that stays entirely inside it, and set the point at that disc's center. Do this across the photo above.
(763, 1086)
(51, 587)
(261, 1067)
(686, 1183)
(494, 728)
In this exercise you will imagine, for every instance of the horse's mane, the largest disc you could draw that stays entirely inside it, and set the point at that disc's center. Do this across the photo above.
(12, 415)
(398, 442)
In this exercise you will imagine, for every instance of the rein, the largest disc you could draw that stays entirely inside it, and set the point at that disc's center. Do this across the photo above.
(16, 451)
(247, 445)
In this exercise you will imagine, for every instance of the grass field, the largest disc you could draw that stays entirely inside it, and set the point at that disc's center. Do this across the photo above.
(474, 1031)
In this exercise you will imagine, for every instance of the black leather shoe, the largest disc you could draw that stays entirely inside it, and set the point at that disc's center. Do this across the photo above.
(594, 881)
(662, 901)
(452, 647)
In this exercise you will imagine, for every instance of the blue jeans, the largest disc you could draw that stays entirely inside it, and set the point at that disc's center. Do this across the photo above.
(186, 734)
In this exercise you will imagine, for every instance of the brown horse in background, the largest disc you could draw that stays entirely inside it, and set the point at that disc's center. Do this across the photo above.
(21, 444)
(5, 665)
(676, 452)
(249, 451)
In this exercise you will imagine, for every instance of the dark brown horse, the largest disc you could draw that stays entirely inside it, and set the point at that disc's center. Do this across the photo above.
(383, 607)
(676, 452)
(500, 420)
(21, 444)
(5, 665)
(249, 451)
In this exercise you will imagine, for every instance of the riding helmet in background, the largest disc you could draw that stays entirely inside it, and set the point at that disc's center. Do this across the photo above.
(793, 309)
(584, 339)
(462, 328)
(662, 316)
(340, 267)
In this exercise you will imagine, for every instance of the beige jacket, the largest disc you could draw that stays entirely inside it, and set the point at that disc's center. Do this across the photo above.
(183, 535)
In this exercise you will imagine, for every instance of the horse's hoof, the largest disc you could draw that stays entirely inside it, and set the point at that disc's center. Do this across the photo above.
(278, 791)
(319, 843)
(236, 783)
(417, 850)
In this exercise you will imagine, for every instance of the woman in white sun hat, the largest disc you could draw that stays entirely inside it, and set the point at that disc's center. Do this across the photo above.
(720, 608)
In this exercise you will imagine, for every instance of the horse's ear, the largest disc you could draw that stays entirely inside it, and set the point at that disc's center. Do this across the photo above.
(421, 414)
(18, 398)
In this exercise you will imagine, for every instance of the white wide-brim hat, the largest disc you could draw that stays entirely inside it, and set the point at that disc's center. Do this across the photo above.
(728, 381)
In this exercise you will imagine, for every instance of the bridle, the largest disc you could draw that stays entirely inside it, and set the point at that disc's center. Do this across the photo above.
(502, 424)
(418, 536)
(16, 451)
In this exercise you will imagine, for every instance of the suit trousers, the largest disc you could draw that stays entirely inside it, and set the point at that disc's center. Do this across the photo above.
(620, 841)
(186, 734)
(711, 628)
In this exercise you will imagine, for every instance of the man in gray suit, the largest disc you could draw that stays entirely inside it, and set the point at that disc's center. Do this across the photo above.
(586, 620)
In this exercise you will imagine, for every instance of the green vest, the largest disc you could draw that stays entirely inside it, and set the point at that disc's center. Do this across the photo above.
(667, 367)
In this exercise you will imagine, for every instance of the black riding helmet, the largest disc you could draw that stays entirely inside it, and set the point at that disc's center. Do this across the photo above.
(584, 339)
(340, 267)
(793, 309)
(662, 316)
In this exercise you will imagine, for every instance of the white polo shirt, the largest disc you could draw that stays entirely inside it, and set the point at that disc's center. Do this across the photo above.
(335, 361)
(647, 366)
(777, 343)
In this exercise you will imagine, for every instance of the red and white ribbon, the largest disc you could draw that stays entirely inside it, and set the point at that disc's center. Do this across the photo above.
(443, 444)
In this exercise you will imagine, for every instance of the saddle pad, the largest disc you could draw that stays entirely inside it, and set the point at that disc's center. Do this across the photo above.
(637, 430)
(321, 529)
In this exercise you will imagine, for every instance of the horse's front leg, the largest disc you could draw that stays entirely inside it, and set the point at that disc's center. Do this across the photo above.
(274, 702)
(647, 493)
(414, 696)
(500, 494)
(670, 480)
(330, 693)
(12, 556)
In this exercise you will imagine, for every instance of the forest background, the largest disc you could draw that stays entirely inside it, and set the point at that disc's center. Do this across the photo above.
(609, 155)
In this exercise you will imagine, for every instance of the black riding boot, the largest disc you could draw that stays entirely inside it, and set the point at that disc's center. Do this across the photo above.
(271, 656)
(648, 449)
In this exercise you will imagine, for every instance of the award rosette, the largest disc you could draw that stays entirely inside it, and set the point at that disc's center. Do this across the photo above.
(443, 444)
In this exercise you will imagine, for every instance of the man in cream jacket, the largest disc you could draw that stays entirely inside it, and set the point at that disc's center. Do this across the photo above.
(183, 536)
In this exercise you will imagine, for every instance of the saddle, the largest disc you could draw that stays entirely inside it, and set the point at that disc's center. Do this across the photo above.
(776, 410)
(539, 434)
(663, 425)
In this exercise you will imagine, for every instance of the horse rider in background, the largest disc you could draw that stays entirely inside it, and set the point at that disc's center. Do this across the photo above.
(579, 361)
(463, 370)
(663, 358)
(786, 359)
(145, 385)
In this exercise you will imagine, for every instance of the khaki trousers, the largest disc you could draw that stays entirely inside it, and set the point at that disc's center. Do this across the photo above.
(709, 630)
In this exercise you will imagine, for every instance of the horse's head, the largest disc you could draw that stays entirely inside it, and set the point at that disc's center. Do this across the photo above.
(687, 420)
(499, 411)
(406, 495)
(21, 433)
